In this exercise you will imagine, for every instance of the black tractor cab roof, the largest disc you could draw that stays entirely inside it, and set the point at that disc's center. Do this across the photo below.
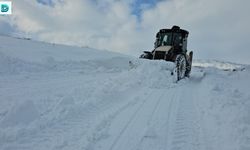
(174, 29)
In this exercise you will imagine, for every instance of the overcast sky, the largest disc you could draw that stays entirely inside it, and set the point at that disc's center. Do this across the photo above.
(219, 29)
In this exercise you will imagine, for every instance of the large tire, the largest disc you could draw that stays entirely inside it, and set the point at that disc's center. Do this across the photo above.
(189, 64)
(181, 64)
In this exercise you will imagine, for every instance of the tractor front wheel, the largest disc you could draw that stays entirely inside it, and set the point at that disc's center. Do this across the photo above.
(181, 64)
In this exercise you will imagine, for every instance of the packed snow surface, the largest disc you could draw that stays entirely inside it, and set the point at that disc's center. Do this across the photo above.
(70, 98)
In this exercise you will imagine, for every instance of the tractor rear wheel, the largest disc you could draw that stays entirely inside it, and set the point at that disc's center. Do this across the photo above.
(181, 64)
(189, 64)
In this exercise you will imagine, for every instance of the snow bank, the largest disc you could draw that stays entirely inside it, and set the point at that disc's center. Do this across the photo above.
(224, 101)
(12, 66)
(226, 66)
(44, 84)
(20, 56)
(156, 74)
(32, 51)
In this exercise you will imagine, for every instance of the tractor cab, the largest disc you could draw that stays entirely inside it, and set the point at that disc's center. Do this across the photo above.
(175, 37)
(168, 43)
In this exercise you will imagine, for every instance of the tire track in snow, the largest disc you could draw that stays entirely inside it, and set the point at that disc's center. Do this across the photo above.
(139, 117)
(77, 129)
(186, 133)
(180, 128)
(102, 128)
(166, 120)
(158, 126)
(146, 125)
(127, 124)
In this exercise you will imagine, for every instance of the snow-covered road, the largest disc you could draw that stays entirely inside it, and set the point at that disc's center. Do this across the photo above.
(157, 122)
(55, 99)
(85, 112)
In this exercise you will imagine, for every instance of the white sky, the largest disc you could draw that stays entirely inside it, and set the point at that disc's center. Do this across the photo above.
(218, 29)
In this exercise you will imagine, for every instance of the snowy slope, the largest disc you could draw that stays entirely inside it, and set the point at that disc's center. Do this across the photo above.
(60, 97)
